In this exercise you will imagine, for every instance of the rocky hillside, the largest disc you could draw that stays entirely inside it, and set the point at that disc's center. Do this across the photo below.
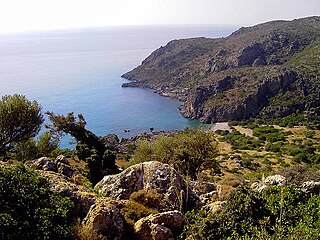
(271, 69)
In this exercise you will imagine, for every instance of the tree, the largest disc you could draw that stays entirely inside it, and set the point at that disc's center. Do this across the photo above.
(90, 147)
(20, 119)
(29, 209)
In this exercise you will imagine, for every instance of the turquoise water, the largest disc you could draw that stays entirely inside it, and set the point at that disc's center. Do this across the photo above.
(79, 71)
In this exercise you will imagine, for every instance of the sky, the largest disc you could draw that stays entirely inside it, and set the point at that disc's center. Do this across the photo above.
(32, 15)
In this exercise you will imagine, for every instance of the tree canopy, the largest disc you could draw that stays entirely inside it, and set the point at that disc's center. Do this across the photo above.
(20, 119)
(90, 147)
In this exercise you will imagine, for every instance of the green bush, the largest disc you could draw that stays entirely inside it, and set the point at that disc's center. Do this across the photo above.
(276, 213)
(28, 209)
(309, 133)
(189, 151)
(273, 147)
(45, 146)
(269, 133)
(241, 141)
(140, 205)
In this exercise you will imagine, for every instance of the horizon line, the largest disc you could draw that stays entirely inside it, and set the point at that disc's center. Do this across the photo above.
(114, 26)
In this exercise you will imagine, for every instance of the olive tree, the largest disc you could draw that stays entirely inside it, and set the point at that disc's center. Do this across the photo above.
(20, 119)
(90, 147)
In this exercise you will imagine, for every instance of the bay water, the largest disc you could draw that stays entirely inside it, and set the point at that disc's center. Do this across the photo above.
(79, 71)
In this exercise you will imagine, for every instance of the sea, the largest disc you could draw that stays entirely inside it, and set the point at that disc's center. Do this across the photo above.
(80, 71)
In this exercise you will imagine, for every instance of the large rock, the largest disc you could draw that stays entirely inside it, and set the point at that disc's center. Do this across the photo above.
(161, 226)
(105, 219)
(150, 175)
(249, 54)
(59, 165)
(81, 196)
(310, 187)
(43, 163)
(277, 180)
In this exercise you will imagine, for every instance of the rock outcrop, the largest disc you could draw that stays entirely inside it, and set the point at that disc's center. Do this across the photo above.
(150, 175)
(105, 219)
(82, 197)
(162, 226)
(59, 165)
(311, 187)
(195, 106)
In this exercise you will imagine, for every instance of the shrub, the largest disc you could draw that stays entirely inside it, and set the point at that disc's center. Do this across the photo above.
(137, 207)
(28, 209)
(241, 141)
(45, 146)
(273, 147)
(189, 152)
(309, 134)
(150, 199)
(84, 232)
(276, 213)
(20, 120)
(269, 133)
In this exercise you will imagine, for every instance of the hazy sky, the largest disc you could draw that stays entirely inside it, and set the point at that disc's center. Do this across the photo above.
(24, 15)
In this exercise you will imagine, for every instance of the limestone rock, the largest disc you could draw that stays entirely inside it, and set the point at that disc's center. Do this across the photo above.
(42, 163)
(161, 226)
(275, 180)
(149, 175)
(278, 180)
(310, 187)
(81, 196)
(202, 187)
(62, 159)
(59, 165)
(105, 219)
(207, 197)
(250, 53)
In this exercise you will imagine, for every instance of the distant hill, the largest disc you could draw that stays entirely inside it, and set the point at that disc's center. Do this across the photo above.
(271, 70)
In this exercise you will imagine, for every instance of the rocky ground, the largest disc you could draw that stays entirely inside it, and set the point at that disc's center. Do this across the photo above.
(102, 209)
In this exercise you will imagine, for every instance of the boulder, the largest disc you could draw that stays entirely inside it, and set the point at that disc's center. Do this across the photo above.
(207, 197)
(310, 187)
(161, 226)
(202, 187)
(62, 159)
(275, 180)
(150, 175)
(59, 165)
(82, 197)
(43, 163)
(105, 219)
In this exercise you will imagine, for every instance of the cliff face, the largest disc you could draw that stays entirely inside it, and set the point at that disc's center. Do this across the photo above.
(250, 106)
(239, 76)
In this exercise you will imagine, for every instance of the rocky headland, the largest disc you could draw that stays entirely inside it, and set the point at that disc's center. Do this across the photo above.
(270, 70)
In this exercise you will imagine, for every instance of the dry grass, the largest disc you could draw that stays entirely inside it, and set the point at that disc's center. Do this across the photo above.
(83, 232)
(245, 131)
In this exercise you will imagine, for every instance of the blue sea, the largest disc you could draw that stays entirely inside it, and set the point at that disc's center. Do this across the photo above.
(79, 71)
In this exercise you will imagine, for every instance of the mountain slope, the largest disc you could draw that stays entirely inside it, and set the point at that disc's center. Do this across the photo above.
(270, 69)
